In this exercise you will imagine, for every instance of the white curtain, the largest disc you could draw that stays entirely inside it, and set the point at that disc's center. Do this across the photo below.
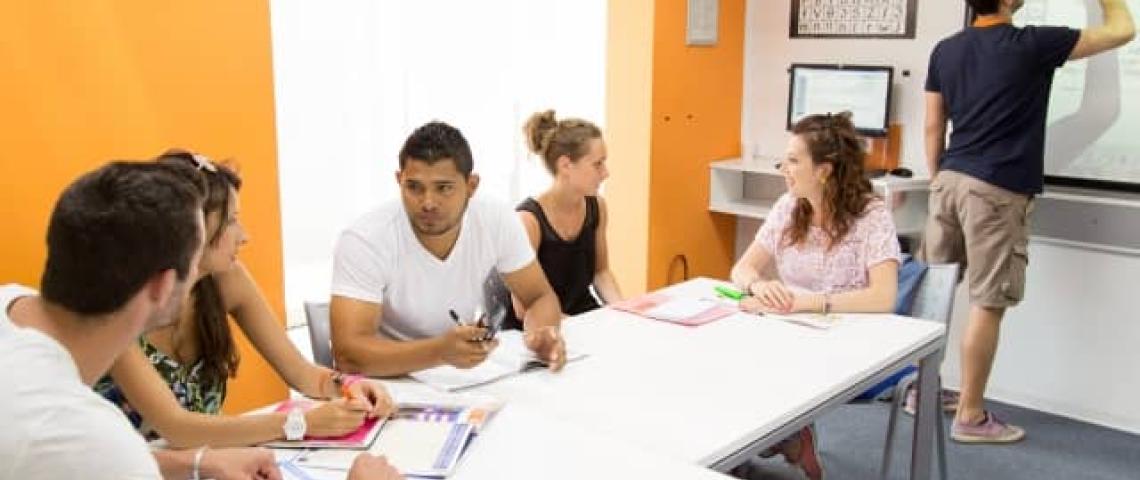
(354, 77)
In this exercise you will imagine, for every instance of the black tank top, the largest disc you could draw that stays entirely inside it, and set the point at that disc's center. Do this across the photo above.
(569, 265)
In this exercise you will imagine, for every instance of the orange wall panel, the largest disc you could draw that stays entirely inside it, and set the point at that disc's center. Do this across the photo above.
(697, 94)
(629, 72)
(85, 82)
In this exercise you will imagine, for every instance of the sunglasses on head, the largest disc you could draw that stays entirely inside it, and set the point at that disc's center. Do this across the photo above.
(894, 172)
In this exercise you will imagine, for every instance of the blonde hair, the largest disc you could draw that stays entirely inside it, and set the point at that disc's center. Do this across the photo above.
(551, 138)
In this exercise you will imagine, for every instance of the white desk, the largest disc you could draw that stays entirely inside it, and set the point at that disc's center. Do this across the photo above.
(522, 444)
(750, 188)
(716, 395)
(657, 400)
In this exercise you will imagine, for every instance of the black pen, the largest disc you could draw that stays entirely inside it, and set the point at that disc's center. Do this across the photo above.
(454, 317)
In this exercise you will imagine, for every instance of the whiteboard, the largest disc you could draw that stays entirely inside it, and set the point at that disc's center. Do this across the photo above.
(1093, 134)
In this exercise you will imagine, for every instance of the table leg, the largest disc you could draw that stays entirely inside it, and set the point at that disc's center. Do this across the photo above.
(925, 420)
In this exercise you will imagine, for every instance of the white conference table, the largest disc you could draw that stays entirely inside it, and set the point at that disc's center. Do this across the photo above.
(521, 444)
(658, 400)
(717, 394)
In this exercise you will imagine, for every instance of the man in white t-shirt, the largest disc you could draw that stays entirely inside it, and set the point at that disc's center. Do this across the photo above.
(408, 277)
(124, 243)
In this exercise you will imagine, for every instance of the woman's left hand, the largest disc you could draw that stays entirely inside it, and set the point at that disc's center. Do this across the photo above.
(375, 394)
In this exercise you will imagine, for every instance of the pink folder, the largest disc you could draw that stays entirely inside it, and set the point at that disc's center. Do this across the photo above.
(645, 305)
(361, 439)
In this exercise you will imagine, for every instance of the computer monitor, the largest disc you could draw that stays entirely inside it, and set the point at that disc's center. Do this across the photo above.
(863, 90)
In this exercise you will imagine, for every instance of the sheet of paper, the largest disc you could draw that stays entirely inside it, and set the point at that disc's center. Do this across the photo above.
(510, 357)
(422, 448)
(813, 320)
(680, 308)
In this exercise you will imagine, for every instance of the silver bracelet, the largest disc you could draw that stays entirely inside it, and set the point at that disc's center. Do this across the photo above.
(196, 474)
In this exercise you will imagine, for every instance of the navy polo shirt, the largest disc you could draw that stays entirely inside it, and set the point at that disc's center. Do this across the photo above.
(995, 84)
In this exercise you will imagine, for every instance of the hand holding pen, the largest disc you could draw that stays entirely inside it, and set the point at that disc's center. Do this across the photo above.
(466, 346)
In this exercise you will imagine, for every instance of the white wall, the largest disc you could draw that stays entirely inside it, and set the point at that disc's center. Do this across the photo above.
(1071, 347)
(354, 77)
(768, 52)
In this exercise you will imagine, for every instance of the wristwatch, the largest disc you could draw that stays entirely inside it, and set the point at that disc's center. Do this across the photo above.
(295, 425)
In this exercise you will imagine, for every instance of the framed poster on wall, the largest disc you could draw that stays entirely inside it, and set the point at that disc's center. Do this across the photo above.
(853, 18)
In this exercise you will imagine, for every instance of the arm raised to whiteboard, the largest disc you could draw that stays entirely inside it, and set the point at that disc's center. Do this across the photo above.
(1116, 30)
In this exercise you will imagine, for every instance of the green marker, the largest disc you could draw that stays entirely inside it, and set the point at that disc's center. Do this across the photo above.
(729, 292)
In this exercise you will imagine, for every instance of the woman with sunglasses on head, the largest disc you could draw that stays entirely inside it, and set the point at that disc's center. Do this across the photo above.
(173, 383)
(831, 241)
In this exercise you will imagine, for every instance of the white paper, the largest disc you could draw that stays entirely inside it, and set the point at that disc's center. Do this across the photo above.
(510, 357)
(680, 308)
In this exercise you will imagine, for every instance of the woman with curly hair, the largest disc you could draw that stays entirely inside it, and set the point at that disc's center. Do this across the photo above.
(831, 240)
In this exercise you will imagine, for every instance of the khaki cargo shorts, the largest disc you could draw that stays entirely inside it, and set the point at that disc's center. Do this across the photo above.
(985, 229)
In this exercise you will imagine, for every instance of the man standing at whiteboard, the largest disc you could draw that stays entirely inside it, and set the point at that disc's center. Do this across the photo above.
(992, 82)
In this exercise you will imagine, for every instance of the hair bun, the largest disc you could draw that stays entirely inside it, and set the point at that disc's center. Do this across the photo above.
(539, 130)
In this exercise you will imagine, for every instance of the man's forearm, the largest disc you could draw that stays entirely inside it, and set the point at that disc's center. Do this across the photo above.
(543, 312)
(381, 357)
(1116, 14)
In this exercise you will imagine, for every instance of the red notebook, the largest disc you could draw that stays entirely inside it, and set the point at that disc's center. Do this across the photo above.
(680, 310)
(361, 439)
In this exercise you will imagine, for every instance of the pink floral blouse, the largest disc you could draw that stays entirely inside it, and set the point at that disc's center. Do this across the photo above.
(811, 267)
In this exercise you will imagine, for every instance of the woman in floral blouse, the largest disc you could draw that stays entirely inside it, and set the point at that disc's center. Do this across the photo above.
(831, 240)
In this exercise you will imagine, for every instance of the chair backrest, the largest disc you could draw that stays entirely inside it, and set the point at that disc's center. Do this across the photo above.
(317, 315)
(935, 297)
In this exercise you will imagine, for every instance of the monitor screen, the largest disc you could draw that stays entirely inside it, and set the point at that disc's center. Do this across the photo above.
(865, 91)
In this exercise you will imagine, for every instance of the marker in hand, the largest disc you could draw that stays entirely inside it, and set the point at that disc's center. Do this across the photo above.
(729, 292)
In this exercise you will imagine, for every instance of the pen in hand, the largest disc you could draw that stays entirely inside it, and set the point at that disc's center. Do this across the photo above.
(455, 318)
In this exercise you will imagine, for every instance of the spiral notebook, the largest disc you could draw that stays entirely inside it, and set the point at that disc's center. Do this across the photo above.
(419, 441)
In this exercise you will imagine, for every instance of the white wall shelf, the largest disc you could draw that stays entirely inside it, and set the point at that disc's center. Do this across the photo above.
(750, 188)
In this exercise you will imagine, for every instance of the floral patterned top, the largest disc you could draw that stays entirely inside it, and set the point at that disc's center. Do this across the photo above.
(186, 383)
(812, 267)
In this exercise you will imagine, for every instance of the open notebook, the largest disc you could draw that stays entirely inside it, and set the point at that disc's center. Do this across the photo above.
(676, 309)
(361, 439)
(420, 441)
(510, 358)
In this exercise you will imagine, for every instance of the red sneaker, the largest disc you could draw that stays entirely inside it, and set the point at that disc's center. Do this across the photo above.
(808, 458)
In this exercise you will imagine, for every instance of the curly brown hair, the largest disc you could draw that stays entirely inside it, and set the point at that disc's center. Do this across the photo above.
(832, 139)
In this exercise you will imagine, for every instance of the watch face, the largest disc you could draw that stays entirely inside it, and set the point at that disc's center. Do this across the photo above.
(295, 425)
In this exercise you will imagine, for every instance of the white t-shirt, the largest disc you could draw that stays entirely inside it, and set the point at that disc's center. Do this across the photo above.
(53, 425)
(379, 260)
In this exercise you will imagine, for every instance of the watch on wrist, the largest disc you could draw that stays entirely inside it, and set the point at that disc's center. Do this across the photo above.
(295, 425)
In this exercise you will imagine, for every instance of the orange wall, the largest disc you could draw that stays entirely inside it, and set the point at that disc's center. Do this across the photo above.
(82, 82)
(629, 71)
(697, 94)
